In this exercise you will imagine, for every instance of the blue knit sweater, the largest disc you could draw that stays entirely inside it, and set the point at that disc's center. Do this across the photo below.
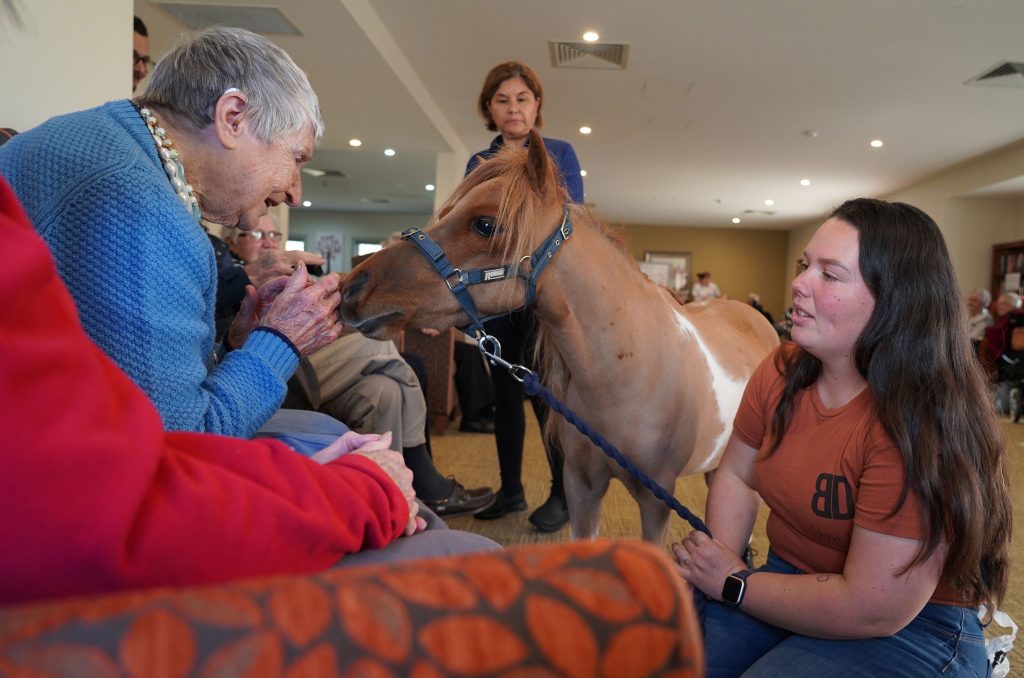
(141, 270)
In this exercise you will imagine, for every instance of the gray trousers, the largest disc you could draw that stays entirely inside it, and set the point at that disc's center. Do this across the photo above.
(369, 386)
(436, 541)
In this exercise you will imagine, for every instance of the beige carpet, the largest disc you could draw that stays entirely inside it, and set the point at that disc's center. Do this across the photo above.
(473, 460)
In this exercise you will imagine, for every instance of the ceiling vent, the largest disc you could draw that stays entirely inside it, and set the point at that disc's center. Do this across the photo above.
(766, 213)
(606, 55)
(1004, 74)
(264, 20)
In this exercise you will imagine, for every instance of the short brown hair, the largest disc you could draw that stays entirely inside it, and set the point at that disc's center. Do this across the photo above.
(501, 73)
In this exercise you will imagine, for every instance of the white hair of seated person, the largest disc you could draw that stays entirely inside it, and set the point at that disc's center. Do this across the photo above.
(189, 80)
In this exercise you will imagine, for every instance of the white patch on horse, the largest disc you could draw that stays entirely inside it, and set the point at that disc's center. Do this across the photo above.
(728, 393)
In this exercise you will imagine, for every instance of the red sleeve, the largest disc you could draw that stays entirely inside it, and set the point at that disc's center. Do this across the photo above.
(759, 400)
(96, 497)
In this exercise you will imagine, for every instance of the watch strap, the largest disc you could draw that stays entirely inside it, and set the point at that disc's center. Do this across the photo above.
(736, 577)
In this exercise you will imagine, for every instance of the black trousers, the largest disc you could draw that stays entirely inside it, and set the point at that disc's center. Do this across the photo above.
(472, 383)
(517, 334)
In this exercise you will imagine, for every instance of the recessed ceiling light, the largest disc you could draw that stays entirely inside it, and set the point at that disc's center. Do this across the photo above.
(583, 173)
(877, 143)
(306, 203)
(805, 182)
(769, 202)
(389, 152)
(429, 187)
(591, 36)
(736, 220)
(355, 142)
(585, 130)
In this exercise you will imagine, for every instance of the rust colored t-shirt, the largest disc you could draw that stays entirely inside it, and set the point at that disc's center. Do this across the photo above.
(835, 468)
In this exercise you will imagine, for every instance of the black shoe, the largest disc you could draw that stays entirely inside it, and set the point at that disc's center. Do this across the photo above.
(550, 516)
(476, 425)
(503, 504)
(461, 500)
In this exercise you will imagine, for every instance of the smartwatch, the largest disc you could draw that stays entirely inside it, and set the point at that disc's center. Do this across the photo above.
(735, 587)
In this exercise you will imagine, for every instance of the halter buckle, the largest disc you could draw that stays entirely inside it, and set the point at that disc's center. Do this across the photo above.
(457, 273)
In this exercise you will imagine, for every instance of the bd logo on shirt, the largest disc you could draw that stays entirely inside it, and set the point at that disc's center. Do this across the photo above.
(833, 498)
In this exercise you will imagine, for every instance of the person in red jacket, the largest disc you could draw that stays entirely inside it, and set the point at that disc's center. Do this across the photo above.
(95, 496)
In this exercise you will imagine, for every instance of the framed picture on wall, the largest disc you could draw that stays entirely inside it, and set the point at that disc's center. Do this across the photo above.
(679, 268)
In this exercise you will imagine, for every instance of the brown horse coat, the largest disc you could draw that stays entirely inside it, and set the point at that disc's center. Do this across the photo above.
(660, 381)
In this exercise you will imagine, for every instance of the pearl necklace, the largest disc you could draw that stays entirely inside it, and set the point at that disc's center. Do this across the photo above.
(172, 164)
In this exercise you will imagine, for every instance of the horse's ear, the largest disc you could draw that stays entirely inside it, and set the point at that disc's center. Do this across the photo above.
(538, 164)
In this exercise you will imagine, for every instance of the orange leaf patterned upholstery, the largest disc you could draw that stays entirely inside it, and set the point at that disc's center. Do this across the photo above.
(603, 608)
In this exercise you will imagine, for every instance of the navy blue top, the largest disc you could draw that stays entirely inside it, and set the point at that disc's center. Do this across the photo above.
(560, 151)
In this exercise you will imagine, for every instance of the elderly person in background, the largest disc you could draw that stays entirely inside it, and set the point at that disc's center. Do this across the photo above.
(368, 385)
(107, 189)
(978, 317)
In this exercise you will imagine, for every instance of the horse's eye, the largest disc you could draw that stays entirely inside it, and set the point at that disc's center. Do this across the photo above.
(485, 226)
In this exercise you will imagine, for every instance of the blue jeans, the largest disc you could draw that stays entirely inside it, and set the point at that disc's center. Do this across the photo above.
(942, 640)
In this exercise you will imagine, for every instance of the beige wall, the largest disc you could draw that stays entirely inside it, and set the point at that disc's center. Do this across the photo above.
(68, 56)
(740, 261)
(970, 225)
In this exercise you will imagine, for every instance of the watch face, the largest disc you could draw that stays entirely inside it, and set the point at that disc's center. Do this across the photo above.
(732, 590)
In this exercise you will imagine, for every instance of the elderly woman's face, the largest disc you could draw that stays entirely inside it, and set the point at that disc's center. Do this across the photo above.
(254, 176)
(1003, 305)
(514, 109)
(974, 303)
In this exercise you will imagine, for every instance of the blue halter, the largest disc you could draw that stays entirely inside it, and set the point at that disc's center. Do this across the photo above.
(539, 260)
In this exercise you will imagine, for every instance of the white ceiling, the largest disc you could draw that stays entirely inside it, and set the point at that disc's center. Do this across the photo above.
(707, 121)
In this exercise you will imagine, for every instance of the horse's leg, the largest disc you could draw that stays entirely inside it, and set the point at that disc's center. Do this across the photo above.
(654, 512)
(586, 479)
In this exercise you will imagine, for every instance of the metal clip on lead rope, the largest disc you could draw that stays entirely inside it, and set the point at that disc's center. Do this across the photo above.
(490, 347)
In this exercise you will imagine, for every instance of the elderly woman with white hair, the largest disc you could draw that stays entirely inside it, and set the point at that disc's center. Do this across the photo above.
(114, 499)
(117, 192)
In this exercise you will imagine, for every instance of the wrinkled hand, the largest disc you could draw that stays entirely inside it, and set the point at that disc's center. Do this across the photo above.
(377, 448)
(351, 441)
(305, 313)
(253, 304)
(271, 264)
(706, 562)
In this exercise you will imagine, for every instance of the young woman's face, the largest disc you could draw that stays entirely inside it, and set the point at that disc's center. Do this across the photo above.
(514, 109)
(831, 302)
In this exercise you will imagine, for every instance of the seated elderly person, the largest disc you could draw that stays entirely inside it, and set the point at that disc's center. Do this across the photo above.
(108, 500)
(107, 189)
(363, 382)
(978, 317)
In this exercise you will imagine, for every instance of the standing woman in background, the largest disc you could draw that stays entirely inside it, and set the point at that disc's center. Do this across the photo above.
(510, 102)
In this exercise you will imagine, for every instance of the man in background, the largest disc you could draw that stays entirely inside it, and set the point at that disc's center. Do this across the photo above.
(360, 381)
(141, 61)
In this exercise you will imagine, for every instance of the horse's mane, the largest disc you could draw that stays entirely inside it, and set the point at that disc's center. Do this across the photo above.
(520, 212)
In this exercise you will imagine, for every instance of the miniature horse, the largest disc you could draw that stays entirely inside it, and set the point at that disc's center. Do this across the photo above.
(660, 381)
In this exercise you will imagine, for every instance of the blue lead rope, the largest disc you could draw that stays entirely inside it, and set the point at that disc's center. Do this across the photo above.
(534, 388)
